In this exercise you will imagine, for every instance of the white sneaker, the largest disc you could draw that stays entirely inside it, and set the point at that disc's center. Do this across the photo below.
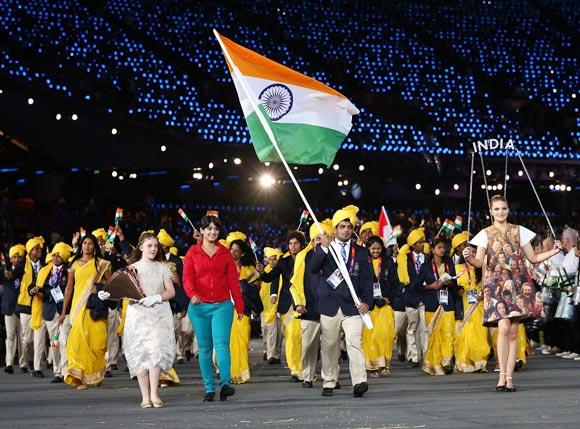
(547, 351)
(563, 354)
(543, 347)
(555, 350)
(571, 356)
(577, 359)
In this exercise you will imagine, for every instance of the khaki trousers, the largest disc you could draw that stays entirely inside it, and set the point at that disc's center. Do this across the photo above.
(112, 355)
(39, 339)
(13, 340)
(401, 332)
(64, 332)
(416, 332)
(27, 339)
(310, 347)
(272, 336)
(53, 328)
(330, 348)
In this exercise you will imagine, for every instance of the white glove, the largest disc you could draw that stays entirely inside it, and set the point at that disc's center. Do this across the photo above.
(103, 296)
(150, 301)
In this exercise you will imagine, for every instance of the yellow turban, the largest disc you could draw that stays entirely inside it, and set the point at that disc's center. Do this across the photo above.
(269, 251)
(416, 235)
(458, 239)
(164, 238)
(372, 225)
(48, 258)
(174, 251)
(346, 213)
(33, 242)
(427, 249)
(224, 243)
(235, 235)
(100, 233)
(325, 225)
(63, 250)
(17, 249)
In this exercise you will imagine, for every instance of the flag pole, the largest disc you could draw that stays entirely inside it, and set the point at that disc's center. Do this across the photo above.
(338, 260)
(470, 193)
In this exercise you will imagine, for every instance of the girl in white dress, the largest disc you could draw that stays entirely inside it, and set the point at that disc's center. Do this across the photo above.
(149, 338)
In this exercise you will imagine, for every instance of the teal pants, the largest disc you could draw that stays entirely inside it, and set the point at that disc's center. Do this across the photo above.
(213, 325)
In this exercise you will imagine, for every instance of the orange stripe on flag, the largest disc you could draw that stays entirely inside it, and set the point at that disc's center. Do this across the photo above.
(253, 64)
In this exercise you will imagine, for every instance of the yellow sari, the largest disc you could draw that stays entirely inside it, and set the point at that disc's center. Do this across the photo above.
(440, 328)
(471, 337)
(240, 336)
(524, 347)
(292, 331)
(87, 342)
(377, 343)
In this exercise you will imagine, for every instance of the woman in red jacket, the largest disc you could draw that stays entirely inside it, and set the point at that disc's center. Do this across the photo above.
(210, 280)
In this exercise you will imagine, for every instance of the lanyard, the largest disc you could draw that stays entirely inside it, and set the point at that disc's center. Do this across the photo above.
(436, 271)
(352, 257)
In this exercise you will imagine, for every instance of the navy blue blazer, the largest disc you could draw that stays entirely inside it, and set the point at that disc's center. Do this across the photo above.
(11, 288)
(284, 268)
(50, 308)
(388, 280)
(431, 296)
(180, 301)
(329, 299)
(311, 291)
(411, 296)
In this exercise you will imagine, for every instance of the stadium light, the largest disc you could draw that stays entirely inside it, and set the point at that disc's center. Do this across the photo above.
(456, 186)
(114, 131)
(237, 161)
(163, 148)
(551, 174)
(210, 165)
(267, 181)
(361, 168)
(58, 116)
(320, 170)
(437, 191)
(31, 101)
(520, 173)
(335, 167)
(74, 117)
(114, 173)
(339, 183)
(418, 186)
(345, 182)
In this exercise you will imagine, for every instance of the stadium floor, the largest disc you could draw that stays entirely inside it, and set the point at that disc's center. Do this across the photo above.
(548, 397)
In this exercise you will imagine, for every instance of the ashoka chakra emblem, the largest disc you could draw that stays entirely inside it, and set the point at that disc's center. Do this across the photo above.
(277, 100)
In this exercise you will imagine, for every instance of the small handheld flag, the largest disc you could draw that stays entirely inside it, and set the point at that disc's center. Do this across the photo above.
(458, 222)
(185, 218)
(254, 247)
(215, 213)
(118, 216)
(83, 232)
(303, 218)
(385, 228)
(448, 226)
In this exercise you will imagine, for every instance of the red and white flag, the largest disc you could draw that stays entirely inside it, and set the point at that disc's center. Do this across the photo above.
(385, 227)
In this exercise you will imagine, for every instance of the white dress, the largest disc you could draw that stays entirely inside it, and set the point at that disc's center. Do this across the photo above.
(149, 338)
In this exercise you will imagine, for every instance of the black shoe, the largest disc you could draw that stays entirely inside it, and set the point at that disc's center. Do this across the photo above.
(307, 384)
(510, 389)
(414, 364)
(327, 391)
(271, 361)
(337, 385)
(57, 380)
(9, 369)
(401, 358)
(180, 361)
(343, 355)
(359, 390)
(265, 357)
(23, 369)
(226, 391)
(500, 388)
(519, 365)
(448, 369)
(114, 368)
(188, 355)
(295, 379)
(277, 361)
(209, 397)
(126, 369)
(108, 374)
(37, 374)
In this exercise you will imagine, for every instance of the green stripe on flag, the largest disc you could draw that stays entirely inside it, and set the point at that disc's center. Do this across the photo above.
(299, 143)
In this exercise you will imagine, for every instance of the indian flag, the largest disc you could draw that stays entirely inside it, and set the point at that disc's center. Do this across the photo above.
(448, 226)
(309, 120)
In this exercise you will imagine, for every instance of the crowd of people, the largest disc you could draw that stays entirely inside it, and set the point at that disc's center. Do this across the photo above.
(442, 301)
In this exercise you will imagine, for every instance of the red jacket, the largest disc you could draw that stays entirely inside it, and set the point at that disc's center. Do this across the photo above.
(212, 279)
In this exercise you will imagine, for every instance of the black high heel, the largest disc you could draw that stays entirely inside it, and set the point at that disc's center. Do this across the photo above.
(502, 387)
(510, 389)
